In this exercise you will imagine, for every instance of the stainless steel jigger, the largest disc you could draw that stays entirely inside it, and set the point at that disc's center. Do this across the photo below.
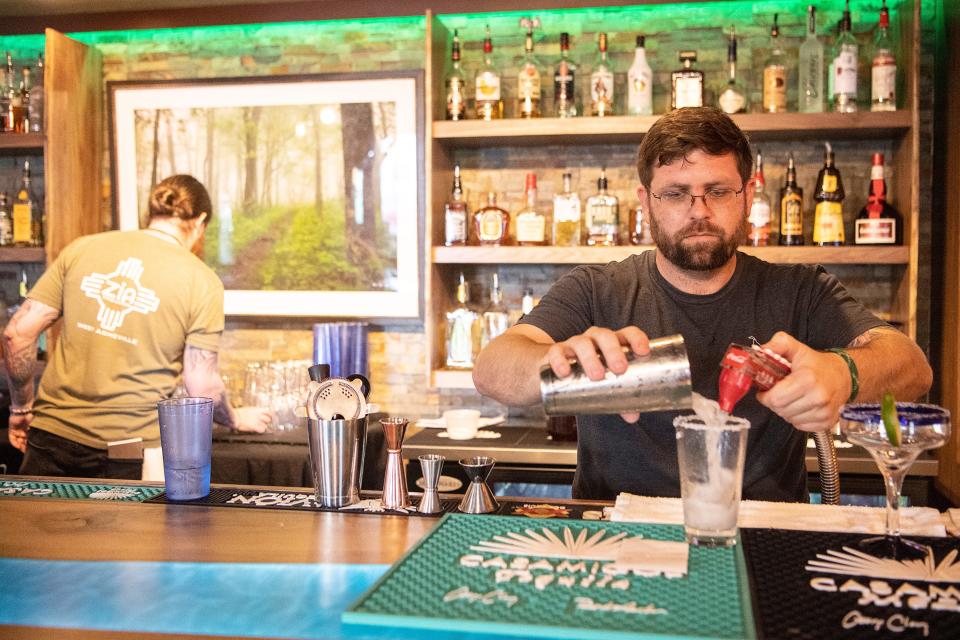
(430, 466)
(395, 477)
(478, 498)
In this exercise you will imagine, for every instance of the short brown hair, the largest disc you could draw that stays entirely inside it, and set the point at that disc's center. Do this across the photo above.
(678, 133)
(180, 196)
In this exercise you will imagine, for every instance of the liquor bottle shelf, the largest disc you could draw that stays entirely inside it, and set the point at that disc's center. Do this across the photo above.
(22, 141)
(630, 129)
(22, 254)
(602, 255)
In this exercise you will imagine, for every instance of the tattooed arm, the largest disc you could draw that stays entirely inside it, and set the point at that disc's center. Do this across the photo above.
(820, 382)
(201, 376)
(20, 357)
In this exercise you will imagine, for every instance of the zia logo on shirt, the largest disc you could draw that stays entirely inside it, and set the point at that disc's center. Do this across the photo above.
(119, 293)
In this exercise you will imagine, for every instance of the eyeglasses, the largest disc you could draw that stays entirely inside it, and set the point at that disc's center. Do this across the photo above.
(679, 201)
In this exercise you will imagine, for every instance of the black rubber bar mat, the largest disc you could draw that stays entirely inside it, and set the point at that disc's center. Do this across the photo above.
(298, 501)
(809, 585)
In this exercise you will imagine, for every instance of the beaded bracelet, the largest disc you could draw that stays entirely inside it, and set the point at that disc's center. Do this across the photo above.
(854, 374)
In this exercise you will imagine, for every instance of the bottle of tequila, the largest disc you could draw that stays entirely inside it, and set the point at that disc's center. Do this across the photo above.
(601, 81)
(566, 216)
(686, 83)
(883, 85)
(564, 82)
(462, 337)
(496, 318)
(640, 82)
(733, 99)
(845, 61)
(491, 223)
(27, 213)
(775, 74)
(791, 208)
(810, 89)
(6, 223)
(759, 218)
(455, 214)
(878, 222)
(602, 216)
(829, 195)
(488, 103)
(528, 78)
(456, 84)
(531, 225)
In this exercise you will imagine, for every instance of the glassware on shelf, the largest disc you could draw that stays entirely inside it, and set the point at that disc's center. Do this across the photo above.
(922, 427)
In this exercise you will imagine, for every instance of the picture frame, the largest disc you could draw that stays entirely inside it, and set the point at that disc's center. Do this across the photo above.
(317, 184)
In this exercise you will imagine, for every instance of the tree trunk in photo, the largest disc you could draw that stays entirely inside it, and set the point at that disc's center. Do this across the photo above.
(156, 149)
(208, 160)
(171, 149)
(318, 159)
(251, 126)
(359, 143)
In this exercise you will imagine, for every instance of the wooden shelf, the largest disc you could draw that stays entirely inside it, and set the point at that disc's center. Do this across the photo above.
(23, 254)
(22, 141)
(452, 379)
(603, 255)
(630, 129)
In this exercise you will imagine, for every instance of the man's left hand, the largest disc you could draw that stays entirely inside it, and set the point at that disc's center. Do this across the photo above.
(811, 396)
(17, 428)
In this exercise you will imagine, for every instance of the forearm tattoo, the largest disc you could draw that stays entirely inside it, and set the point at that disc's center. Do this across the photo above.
(20, 340)
(206, 365)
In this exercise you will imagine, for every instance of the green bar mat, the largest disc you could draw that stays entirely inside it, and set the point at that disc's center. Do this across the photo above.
(445, 582)
(811, 584)
(77, 491)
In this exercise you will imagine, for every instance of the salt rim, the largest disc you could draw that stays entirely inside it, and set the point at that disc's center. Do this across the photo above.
(732, 423)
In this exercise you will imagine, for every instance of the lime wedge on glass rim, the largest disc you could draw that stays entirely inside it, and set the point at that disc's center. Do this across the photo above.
(891, 421)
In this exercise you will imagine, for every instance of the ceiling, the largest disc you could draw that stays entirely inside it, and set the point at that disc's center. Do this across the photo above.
(60, 7)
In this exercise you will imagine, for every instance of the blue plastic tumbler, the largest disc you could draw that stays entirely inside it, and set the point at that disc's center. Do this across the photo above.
(186, 432)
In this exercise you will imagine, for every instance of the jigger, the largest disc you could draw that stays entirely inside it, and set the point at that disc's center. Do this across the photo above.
(430, 466)
(478, 498)
(394, 478)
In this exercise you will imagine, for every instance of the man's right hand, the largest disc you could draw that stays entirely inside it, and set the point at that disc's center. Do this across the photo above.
(253, 419)
(17, 428)
(597, 346)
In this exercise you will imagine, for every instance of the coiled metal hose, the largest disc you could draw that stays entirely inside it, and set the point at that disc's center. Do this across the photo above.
(827, 464)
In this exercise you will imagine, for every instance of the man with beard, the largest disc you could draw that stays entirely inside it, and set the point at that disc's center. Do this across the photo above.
(694, 167)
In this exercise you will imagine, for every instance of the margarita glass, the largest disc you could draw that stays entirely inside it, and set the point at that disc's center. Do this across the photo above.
(922, 427)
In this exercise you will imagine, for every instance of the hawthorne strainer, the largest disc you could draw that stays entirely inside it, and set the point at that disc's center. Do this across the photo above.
(335, 398)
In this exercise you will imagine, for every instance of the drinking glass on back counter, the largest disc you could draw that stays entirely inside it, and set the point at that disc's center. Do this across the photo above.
(279, 385)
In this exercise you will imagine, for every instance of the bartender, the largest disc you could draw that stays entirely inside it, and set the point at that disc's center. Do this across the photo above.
(695, 185)
(139, 311)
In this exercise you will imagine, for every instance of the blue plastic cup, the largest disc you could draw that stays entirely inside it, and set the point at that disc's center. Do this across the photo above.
(186, 432)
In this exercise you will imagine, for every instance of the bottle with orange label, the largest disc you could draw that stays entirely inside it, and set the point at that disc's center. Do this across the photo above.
(829, 195)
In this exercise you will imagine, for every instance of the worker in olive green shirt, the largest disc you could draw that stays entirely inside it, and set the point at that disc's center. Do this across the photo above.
(139, 310)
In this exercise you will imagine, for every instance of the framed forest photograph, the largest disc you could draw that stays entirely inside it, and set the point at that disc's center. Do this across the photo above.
(316, 183)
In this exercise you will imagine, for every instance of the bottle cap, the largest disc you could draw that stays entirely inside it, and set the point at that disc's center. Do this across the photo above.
(641, 41)
(602, 180)
(603, 42)
(878, 158)
(565, 41)
(531, 182)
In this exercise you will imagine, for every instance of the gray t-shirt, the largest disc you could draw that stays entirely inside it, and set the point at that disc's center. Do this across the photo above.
(760, 299)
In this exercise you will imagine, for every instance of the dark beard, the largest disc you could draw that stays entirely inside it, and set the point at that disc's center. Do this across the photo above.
(702, 256)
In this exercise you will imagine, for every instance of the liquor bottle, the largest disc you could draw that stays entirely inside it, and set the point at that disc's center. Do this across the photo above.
(455, 214)
(601, 82)
(20, 111)
(733, 99)
(526, 303)
(27, 215)
(463, 330)
(640, 82)
(36, 106)
(564, 82)
(531, 225)
(759, 218)
(456, 84)
(6, 86)
(528, 78)
(566, 216)
(883, 85)
(13, 100)
(810, 89)
(6, 224)
(775, 74)
(602, 215)
(495, 319)
(878, 222)
(491, 222)
(791, 208)
(489, 104)
(828, 194)
(845, 67)
(686, 83)
(638, 226)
